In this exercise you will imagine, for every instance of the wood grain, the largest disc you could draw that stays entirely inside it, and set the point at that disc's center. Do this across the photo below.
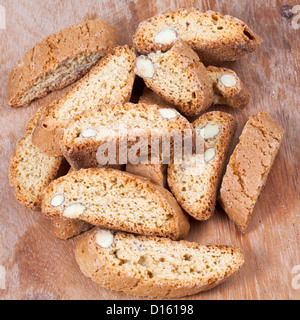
(39, 266)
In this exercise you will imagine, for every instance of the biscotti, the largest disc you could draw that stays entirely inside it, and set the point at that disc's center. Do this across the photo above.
(59, 60)
(150, 97)
(109, 82)
(228, 88)
(66, 228)
(156, 172)
(215, 37)
(249, 167)
(154, 267)
(95, 137)
(195, 181)
(31, 171)
(115, 199)
(179, 77)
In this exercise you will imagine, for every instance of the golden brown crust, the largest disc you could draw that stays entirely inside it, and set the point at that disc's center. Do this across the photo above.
(215, 37)
(150, 97)
(49, 129)
(107, 268)
(193, 91)
(157, 172)
(66, 229)
(249, 167)
(90, 40)
(176, 227)
(195, 185)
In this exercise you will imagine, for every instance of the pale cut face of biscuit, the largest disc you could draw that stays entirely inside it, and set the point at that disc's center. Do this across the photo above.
(195, 181)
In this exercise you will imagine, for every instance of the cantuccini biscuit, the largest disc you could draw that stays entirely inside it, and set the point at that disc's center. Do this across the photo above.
(195, 181)
(153, 266)
(179, 77)
(249, 167)
(228, 88)
(31, 171)
(93, 134)
(214, 36)
(59, 60)
(109, 82)
(115, 199)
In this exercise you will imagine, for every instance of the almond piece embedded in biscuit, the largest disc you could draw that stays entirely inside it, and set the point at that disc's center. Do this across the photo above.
(89, 133)
(104, 238)
(166, 36)
(144, 67)
(168, 113)
(209, 154)
(57, 200)
(209, 131)
(74, 210)
(228, 80)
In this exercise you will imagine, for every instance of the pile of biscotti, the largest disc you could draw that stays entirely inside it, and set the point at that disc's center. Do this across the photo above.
(141, 212)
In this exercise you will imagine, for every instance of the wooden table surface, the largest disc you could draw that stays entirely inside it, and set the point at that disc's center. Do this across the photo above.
(35, 265)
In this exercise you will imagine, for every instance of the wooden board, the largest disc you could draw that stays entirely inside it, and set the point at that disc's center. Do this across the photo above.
(35, 265)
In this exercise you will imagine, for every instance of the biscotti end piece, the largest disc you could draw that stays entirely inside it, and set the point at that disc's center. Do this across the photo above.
(66, 229)
(156, 172)
(154, 267)
(89, 136)
(31, 171)
(214, 37)
(150, 97)
(108, 83)
(179, 77)
(228, 88)
(117, 200)
(195, 181)
(59, 60)
(249, 167)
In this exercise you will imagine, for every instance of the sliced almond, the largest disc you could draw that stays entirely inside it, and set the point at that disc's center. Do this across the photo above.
(74, 210)
(209, 154)
(166, 36)
(168, 113)
(209, 131)
(104, 238)
(144, 67)
(228, 80)
(57, 200)
(89, 133)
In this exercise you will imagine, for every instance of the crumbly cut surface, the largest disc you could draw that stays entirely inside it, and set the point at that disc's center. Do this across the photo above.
(194, 182)
(181, 79)
(109, 82)
(115, 124)
(117, 200)
(249, 167)
(156, 267)
(215, 37)
(59, 60)
(234, 95)
(31, 171)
